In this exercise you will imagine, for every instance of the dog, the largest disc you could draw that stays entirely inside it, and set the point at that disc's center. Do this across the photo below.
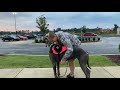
(56, 53)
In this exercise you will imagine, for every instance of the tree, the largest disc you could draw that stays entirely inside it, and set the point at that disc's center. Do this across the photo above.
(84, 29)
(115, 28)
(42, 24)
(54, 30)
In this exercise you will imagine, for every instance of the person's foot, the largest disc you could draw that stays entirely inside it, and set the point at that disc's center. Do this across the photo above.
(70, 76)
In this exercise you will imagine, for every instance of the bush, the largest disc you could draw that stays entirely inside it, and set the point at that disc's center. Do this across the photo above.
(98, 39)
(89, 39)
(119, 46)
(36, 41)
(44, 41)
(93, 39)
(40, 41)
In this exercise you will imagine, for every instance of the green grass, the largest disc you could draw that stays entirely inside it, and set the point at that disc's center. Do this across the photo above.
(22, 61)
(101, 61)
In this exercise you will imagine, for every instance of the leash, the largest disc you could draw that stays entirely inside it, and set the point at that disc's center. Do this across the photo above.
(65, 71)
(66, 65)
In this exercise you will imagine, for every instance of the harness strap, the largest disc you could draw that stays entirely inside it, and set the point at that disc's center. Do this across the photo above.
(64, 48)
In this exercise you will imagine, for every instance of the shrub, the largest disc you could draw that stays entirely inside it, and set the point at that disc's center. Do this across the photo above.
(119, 46)
(36, 41)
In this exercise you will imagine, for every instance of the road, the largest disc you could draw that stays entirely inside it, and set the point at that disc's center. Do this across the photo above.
(23, 47)
(107, 45)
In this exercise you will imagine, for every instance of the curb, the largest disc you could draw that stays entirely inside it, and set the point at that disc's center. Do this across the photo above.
(48, 55)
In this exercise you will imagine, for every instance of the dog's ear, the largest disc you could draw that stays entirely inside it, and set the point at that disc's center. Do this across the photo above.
(51, 46)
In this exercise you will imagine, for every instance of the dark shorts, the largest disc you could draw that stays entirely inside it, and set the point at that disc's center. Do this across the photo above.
(75, 53)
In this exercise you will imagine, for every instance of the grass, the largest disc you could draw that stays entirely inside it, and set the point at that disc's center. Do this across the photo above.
(22, 61)
(101, 61)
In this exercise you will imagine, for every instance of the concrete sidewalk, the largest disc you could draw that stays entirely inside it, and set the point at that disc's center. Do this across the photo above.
(96, 72)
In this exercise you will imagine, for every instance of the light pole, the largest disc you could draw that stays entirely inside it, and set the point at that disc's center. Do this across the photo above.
(14, 13)
(81, 34)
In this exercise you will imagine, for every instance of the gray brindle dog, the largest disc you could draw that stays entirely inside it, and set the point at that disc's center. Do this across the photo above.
(80, 54)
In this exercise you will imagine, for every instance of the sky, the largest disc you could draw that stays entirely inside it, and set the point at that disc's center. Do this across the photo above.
(64, 20)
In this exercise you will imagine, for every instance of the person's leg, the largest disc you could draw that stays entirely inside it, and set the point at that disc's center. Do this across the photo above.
(71, 66)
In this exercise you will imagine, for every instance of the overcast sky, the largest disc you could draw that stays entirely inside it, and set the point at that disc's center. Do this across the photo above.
(27, 20)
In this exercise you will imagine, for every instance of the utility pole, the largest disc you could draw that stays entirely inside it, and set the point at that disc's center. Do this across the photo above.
(14, 13)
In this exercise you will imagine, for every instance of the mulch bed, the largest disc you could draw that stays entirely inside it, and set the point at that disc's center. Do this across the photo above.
(114, 58)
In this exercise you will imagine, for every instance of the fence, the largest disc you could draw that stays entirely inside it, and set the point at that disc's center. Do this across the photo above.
(89, 38)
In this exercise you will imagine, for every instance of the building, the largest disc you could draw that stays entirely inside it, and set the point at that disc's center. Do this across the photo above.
(118, 31)
(58, 29)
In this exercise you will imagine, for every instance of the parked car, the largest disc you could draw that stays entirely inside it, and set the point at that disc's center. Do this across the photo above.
(30, 36)
(15, 38)
(40, 35)
(10, 38)
(89, 34)
(22, 37)
(34, 35)
(40, 39)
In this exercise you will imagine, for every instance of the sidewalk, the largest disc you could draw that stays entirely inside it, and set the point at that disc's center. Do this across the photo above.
(96, 72)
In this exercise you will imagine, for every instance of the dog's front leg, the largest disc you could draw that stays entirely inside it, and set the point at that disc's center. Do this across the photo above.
(54, 69)
(58, 69)
(53, 63)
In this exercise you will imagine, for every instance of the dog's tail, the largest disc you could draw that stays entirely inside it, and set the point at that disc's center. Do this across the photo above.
(88, 61)
(88, 64)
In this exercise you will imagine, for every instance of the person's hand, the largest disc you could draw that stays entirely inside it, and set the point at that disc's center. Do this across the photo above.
(62, 62)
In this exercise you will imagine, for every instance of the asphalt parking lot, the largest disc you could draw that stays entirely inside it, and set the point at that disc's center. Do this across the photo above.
(107, 45)
(23, 47)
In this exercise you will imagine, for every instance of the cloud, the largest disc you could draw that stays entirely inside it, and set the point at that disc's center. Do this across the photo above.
(27, 20)
(23, 20)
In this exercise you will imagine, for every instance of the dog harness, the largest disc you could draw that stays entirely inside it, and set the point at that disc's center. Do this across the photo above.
(58, 49)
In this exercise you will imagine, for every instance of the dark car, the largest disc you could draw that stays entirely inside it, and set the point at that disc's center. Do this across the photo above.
(89, 34)
(30, 36)
(10, 38)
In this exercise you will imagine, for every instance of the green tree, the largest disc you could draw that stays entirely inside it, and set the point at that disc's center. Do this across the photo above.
(42, 24)
(84, 29)
(115, 28)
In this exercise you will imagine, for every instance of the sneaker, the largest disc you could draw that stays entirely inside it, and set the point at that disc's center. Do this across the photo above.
(70, 76)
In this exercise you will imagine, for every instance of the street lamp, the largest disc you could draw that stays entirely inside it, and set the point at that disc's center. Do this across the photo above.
(81, 34)
(14, 13)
